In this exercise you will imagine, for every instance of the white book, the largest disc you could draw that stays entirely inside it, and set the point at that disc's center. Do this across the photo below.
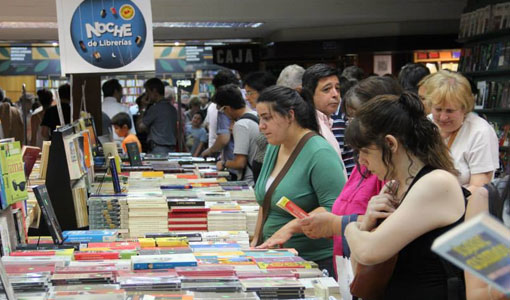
(481, 246)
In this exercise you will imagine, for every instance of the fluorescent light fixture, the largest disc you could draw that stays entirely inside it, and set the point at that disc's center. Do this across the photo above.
(54, 44)
(24, 25)
(206, 24)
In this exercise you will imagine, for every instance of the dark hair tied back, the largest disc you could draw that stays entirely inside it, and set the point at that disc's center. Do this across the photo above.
(412, 104)
(283, 100)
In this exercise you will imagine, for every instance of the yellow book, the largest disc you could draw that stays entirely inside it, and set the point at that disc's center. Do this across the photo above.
(152, 174)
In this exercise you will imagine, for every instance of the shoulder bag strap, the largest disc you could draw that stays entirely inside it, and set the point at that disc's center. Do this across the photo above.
(267, 197)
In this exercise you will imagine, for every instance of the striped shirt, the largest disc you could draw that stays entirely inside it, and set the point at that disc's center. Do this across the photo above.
(339, 125)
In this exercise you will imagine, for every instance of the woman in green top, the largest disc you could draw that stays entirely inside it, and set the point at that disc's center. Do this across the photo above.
(313, 181)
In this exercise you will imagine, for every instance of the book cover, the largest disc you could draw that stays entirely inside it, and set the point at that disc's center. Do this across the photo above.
(14, 188)
(95, 236)
(290, 207)
(115, 175)
(43, 199)
(30, 155)
(133, 154)
(480, 246)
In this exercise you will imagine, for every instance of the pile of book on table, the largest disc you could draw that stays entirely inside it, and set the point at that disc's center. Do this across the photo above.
(162, 266)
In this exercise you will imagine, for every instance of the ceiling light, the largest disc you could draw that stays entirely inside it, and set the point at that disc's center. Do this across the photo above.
(54, 44)
(206, 24)
(21, 25)
(176, 44)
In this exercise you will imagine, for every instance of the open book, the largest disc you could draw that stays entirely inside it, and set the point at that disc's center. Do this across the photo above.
(481, 246)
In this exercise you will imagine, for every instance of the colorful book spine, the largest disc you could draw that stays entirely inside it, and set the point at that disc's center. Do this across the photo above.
(290, 207)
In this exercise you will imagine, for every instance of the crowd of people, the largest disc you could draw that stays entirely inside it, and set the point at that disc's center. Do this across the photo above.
(382, 165)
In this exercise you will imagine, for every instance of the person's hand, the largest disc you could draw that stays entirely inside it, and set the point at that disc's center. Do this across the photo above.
(220, 165)
(254, 241)
(277, 239)
(380, 206)
(319, 225)
(205, 153)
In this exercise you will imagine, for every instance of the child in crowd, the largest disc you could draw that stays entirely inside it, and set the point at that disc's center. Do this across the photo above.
(196, 136)
(122, 124)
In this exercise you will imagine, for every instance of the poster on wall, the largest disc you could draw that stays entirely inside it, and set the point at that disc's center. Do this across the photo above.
(105, 36)
(382, 64)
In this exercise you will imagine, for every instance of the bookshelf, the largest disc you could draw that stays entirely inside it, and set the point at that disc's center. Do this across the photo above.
(50, 83)
(485, 58)
(69, 174)
(132, 86)
(438, 59)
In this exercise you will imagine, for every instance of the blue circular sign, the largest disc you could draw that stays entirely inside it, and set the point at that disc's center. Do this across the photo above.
(108, 33)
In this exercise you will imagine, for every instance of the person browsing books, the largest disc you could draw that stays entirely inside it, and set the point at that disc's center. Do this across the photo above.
(397, 143)
(122, 124)
(361, 185)
(300, 165)
(472, 141)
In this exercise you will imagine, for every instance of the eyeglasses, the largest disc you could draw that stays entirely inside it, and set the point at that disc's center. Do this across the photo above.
(20, 185)
(249, 93)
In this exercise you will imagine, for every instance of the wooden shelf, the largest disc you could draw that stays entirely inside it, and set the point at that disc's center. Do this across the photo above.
(489, 73)
(485, 37)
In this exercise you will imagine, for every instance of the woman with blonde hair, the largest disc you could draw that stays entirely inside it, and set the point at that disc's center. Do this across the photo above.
(472, 141)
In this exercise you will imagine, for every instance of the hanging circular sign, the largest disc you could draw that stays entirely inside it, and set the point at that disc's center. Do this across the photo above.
(108, 33)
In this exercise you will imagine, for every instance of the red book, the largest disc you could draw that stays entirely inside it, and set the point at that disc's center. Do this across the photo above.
(186, 222)
(33, 253)
(187, 215)
(116, 245)
(170, 228)
(189, 209)
(30, 155)
(93, 255)
(18, 269)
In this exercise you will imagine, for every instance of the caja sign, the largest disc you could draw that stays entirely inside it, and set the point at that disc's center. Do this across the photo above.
(105, 35)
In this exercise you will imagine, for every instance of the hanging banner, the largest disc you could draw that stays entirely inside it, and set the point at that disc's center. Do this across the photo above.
(105, 36)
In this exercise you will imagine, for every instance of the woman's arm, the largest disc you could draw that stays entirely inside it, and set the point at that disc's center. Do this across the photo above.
(287, 231)
(435, 201)
(478, 180)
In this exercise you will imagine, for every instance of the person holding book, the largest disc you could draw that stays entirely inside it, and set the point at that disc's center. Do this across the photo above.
(361, 185)
(472, 140)
(421, 201)
(300, 165)
(122, 124)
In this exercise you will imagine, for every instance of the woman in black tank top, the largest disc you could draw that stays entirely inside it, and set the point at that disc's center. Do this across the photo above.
(396, 142)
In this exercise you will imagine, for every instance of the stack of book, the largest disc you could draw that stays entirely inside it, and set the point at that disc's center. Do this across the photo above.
(187, 214)
(147, 214)
(149, 281)
(274, 288)
(164, 261)
(104, 212)
(226, 220)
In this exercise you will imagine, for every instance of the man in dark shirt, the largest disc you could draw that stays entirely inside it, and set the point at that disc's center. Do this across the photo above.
(160, 119)
(51, 120)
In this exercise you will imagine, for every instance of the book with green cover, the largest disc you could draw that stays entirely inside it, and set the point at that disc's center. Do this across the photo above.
(14, 185)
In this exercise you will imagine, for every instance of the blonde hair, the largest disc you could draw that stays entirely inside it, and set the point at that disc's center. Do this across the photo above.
(446, 86)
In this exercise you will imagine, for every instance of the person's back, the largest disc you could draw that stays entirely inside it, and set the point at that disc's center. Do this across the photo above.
(246, 132)
(112, 92)
(160, 119)
(12, 124)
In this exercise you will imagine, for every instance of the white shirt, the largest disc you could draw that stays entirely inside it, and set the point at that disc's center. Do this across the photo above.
(475, 149)
(212, 122)
(111, 107)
